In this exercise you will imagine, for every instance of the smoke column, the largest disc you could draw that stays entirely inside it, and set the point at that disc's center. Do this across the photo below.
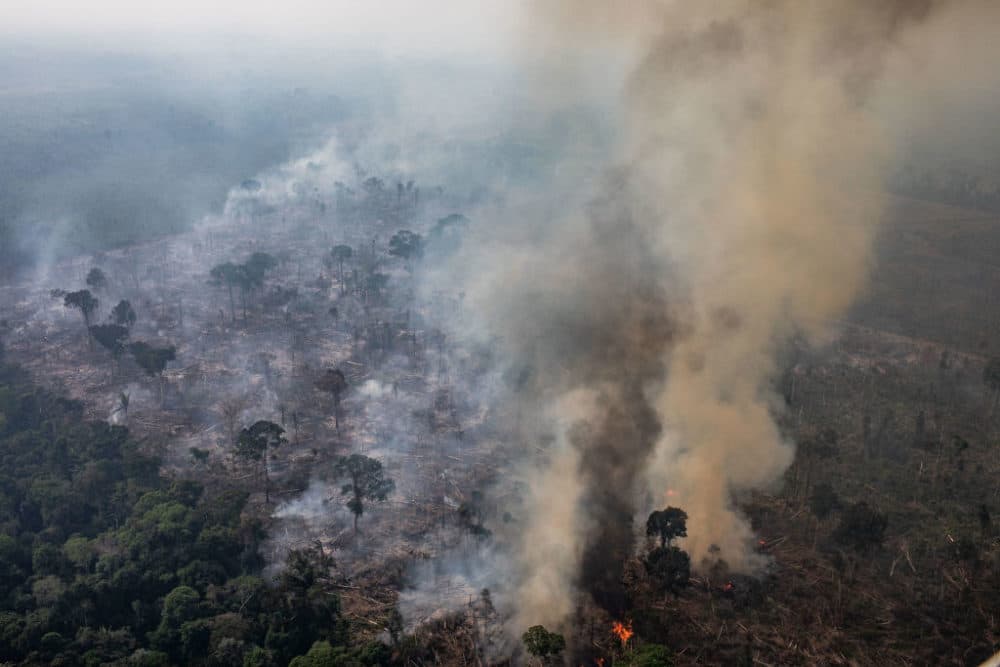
(647, 322)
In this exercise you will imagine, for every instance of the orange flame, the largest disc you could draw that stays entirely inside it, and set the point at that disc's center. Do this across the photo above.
(600, 662)
(623, 632)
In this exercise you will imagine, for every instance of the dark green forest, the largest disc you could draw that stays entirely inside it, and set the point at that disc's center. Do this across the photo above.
(104, 561)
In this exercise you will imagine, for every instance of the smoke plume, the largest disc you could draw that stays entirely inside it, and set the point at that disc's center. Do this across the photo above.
(740, 212)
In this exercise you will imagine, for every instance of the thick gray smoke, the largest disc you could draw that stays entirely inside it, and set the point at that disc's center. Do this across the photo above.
(646, 325)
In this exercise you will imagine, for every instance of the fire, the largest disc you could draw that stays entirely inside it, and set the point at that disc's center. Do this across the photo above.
(600, 662)
(623, 632)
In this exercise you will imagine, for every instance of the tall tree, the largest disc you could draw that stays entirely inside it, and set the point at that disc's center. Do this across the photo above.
(227, 275)
(406, 245)
(340, 254)
(367, 482)
(254, 444)
(543, 644)
(112, 337)
(667, 524)
(84, 301)
(96, 280)
(334, 383)
(153, 360)
(669, 566)
(123, 314)
(258, 266)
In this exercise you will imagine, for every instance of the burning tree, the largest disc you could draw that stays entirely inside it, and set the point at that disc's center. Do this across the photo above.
(667, 524)
(254, 444)
(543, 644)
(367, 482)
(622, 631)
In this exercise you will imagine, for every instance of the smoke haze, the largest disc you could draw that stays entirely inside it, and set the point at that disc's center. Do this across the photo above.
(739, 210)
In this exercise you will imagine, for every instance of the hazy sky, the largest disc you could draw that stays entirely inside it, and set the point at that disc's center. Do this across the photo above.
(394, 26)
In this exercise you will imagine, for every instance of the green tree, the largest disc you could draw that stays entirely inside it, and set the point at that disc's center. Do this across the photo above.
(96, 280)
(255, 443)
(648, 655)
(180, 606)
(670, 566)
(227, 275)
(367, 482)
(258, 266)
(334, 383)
(542, 644)
(112, 337)
(83, 301)
(406, 244)
(123, 314)
(153, 360)
(340, 254)
(323, 654)
(667, 524)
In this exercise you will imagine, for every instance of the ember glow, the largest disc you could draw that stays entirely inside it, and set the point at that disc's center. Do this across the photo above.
(622, 631)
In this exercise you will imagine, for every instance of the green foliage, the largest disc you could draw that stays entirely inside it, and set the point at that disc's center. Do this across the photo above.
(123, 314)
(333, 382)
(258, 266)
(96, 280)
(366, 482)
(670, 567)
(541, 643)
(649, 655)
(667, 524)
(861, 527)
(406, 244)
(151, 359)
(112, 337)
(83, 301)
(246, 277)
(102, 561)
(254, 442)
